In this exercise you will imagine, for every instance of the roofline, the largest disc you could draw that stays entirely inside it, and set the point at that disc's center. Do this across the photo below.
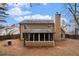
(22, 22)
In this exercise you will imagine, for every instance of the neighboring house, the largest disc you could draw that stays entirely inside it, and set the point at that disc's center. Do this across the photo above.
(9, 30)
(2, 32)
(41, 32)
(72, 28)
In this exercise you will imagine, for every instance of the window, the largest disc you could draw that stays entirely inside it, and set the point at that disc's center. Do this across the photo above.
(41, 37)
(38, 36)
(25, 36)
(46, 36)
(61, 35)
(25, 26)
(31, 36)
(51, 37)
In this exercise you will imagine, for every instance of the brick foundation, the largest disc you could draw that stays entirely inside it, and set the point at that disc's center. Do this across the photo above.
(40, 43)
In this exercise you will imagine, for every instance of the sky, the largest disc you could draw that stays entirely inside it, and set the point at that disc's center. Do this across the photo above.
(22, 11)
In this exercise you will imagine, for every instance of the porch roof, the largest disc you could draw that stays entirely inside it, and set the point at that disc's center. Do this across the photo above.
(38, 31)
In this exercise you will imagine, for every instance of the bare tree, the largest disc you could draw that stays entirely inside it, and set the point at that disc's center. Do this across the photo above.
(75, 13)
(72, 10)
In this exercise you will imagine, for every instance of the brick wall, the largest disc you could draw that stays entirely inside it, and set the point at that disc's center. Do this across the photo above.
(39, 43)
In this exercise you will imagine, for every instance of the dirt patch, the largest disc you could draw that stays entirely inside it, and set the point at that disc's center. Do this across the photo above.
(68, 47)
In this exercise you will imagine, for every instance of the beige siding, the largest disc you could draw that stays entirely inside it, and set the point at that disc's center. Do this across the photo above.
(35, 26)
(38, 26)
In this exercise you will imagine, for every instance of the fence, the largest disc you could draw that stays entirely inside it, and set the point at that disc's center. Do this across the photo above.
(17, 36)
(5, 37)
(72, 36)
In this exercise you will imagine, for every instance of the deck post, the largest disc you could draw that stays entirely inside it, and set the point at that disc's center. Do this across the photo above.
(38, 36)
(24, 39)
(28, 36)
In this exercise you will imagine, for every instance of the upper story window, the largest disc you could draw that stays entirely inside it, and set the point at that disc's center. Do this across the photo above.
(25, 27)
(49, 26)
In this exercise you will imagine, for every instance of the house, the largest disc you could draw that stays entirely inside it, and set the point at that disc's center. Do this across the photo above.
(41, 32)
(9, 30)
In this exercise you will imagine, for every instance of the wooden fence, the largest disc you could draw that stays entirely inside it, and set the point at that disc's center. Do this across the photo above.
(5, 37)
(17, 36)
(72, 36)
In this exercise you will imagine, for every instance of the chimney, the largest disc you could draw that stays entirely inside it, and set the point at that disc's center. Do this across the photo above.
(57, 26)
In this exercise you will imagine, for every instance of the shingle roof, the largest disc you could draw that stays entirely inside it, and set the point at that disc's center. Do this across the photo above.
(37, 21)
